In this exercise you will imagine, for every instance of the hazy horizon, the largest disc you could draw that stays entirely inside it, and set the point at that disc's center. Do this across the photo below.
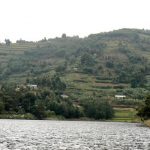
(33, 20)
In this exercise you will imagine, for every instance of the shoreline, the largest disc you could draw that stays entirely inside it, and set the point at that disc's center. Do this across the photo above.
(29, 116)
(64, 119)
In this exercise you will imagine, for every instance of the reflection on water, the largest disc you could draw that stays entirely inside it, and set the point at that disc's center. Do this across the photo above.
(72, 135)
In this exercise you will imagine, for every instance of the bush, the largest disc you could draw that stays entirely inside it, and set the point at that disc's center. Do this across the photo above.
(98, 109)
(144, 111)
(1, 107)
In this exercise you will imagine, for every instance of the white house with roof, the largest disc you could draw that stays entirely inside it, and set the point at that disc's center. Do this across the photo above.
(32, 86)
(120, 96)
(64, 96)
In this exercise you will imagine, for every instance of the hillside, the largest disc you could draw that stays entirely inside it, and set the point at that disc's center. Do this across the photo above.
(106, 51)
(105, 63)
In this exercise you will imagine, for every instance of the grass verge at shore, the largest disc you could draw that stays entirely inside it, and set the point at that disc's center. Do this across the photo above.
(125, 115)
(27, 116)
(120, 115)
(147, 122)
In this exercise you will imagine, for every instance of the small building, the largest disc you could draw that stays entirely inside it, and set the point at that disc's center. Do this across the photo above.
(120, 96)
(75, 69)
(32, 86)
(64, 96)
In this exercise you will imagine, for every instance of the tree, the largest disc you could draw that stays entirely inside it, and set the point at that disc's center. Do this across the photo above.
(1, 107)
(139, 80)
(39, 110)
(123, 48)
(8, 42)
(20, 41)
(63, 35)
(56, 84)
(144, 111)
(87, 60)
(65, 108)
(109, 64)
(61, 68)
(98, 109)
(27, 101)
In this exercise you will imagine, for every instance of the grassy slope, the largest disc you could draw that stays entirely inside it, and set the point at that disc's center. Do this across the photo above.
(125, 115)
(18, 50)
(80, 84)
(111, 39)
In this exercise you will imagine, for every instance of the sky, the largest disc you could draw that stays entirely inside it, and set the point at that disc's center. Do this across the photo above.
(32, 20)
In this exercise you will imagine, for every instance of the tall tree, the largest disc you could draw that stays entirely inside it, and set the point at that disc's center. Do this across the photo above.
(8, 42)
(144, 111)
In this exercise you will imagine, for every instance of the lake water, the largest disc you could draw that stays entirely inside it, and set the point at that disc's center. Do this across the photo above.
(72, 135)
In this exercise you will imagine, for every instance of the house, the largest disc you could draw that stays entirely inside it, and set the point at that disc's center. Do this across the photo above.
(75, 69)
(64, 96)
(32, 86)
(120, 96)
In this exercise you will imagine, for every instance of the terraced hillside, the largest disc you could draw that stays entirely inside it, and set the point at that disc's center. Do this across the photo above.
(102, 64)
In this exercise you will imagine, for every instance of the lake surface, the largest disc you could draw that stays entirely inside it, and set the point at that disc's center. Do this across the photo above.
(72, 135)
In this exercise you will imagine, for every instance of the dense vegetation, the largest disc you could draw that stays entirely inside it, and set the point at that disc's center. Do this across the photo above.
(90, 71)
(47, 101)
(144, 110)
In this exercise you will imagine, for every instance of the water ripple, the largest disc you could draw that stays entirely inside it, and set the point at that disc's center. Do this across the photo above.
(72, 135)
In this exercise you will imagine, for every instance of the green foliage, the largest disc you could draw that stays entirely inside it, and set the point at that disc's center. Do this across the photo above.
(57, 85)
(119, 53)
(90, 70)
(139, 80)
(1, 107)
(27, 101)
(144, 111)
(87, 60)
(42, 101)
(61, 68)
(136, 93)
(64, 35)
(54, 83)
(65, 109)
(38, 103)
(17, 116)
(98, 109)
(8, 42)
(123, 48)
(100, 63)
(39, 110)
(109, 64)
(125, 115)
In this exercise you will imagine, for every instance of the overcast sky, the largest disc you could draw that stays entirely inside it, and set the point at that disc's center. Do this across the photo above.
(36, 19)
